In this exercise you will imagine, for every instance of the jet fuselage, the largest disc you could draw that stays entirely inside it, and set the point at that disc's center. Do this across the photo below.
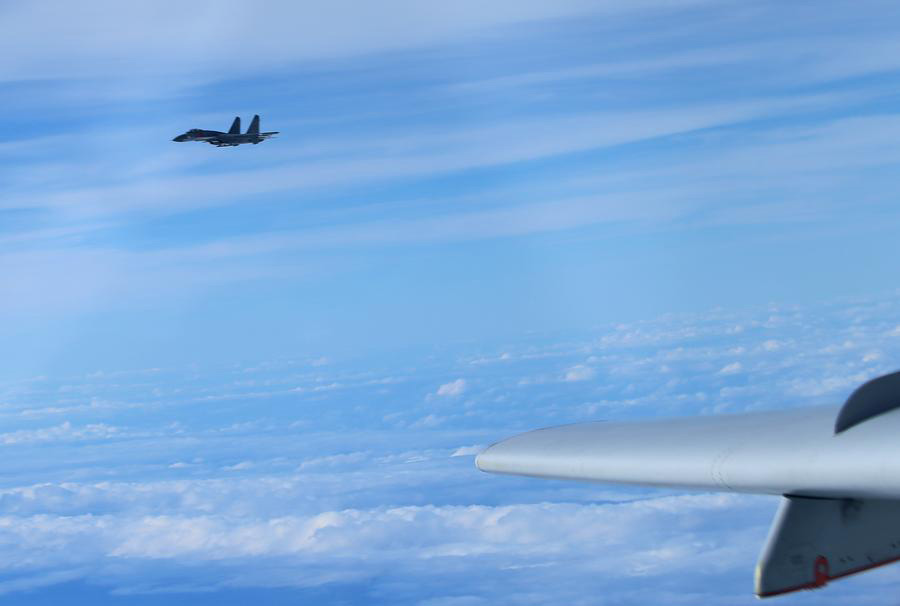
(232, 138)
(221, 139)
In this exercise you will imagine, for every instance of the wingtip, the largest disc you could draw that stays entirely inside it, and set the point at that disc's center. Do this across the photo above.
(486, 460)
(478, 460)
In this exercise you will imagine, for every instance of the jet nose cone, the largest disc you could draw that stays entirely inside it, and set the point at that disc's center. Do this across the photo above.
(179, 138)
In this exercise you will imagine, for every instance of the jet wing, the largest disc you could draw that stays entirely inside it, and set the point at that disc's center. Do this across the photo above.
(788, 452)
(837, 467)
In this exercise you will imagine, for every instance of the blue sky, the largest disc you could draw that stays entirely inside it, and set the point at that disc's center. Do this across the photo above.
(243, 372)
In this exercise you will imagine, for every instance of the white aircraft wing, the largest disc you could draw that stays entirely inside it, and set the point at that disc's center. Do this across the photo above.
(838, 468)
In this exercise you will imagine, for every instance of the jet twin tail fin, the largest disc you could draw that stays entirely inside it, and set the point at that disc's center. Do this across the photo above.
(254, 126)
(235, 126)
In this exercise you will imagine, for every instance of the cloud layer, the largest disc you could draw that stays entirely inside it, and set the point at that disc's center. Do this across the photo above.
(311, 475)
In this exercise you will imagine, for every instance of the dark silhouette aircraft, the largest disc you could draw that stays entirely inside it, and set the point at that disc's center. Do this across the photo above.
(232, 138)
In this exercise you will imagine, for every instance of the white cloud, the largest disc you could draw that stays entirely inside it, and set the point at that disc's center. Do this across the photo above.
(452, 389)
(831, 384)
(730, 369)
(240, 466)
(63, 431)
(580, 372)
(103, 37)
(336, 461)
(463, 600)
(613, 540)
(468, 451)
(428, 422)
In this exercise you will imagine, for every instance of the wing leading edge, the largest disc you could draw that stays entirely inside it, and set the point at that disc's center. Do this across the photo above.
(788, 452)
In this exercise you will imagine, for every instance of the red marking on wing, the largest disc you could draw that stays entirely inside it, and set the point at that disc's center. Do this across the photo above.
(828, 577)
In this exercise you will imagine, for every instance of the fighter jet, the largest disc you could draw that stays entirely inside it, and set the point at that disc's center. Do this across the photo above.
(232, 138)
(837, 469)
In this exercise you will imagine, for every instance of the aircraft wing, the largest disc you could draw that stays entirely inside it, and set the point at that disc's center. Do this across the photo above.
(788, 452)
(840, 479)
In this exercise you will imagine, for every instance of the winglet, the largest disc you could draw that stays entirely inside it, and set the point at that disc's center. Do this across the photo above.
(871, 399)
